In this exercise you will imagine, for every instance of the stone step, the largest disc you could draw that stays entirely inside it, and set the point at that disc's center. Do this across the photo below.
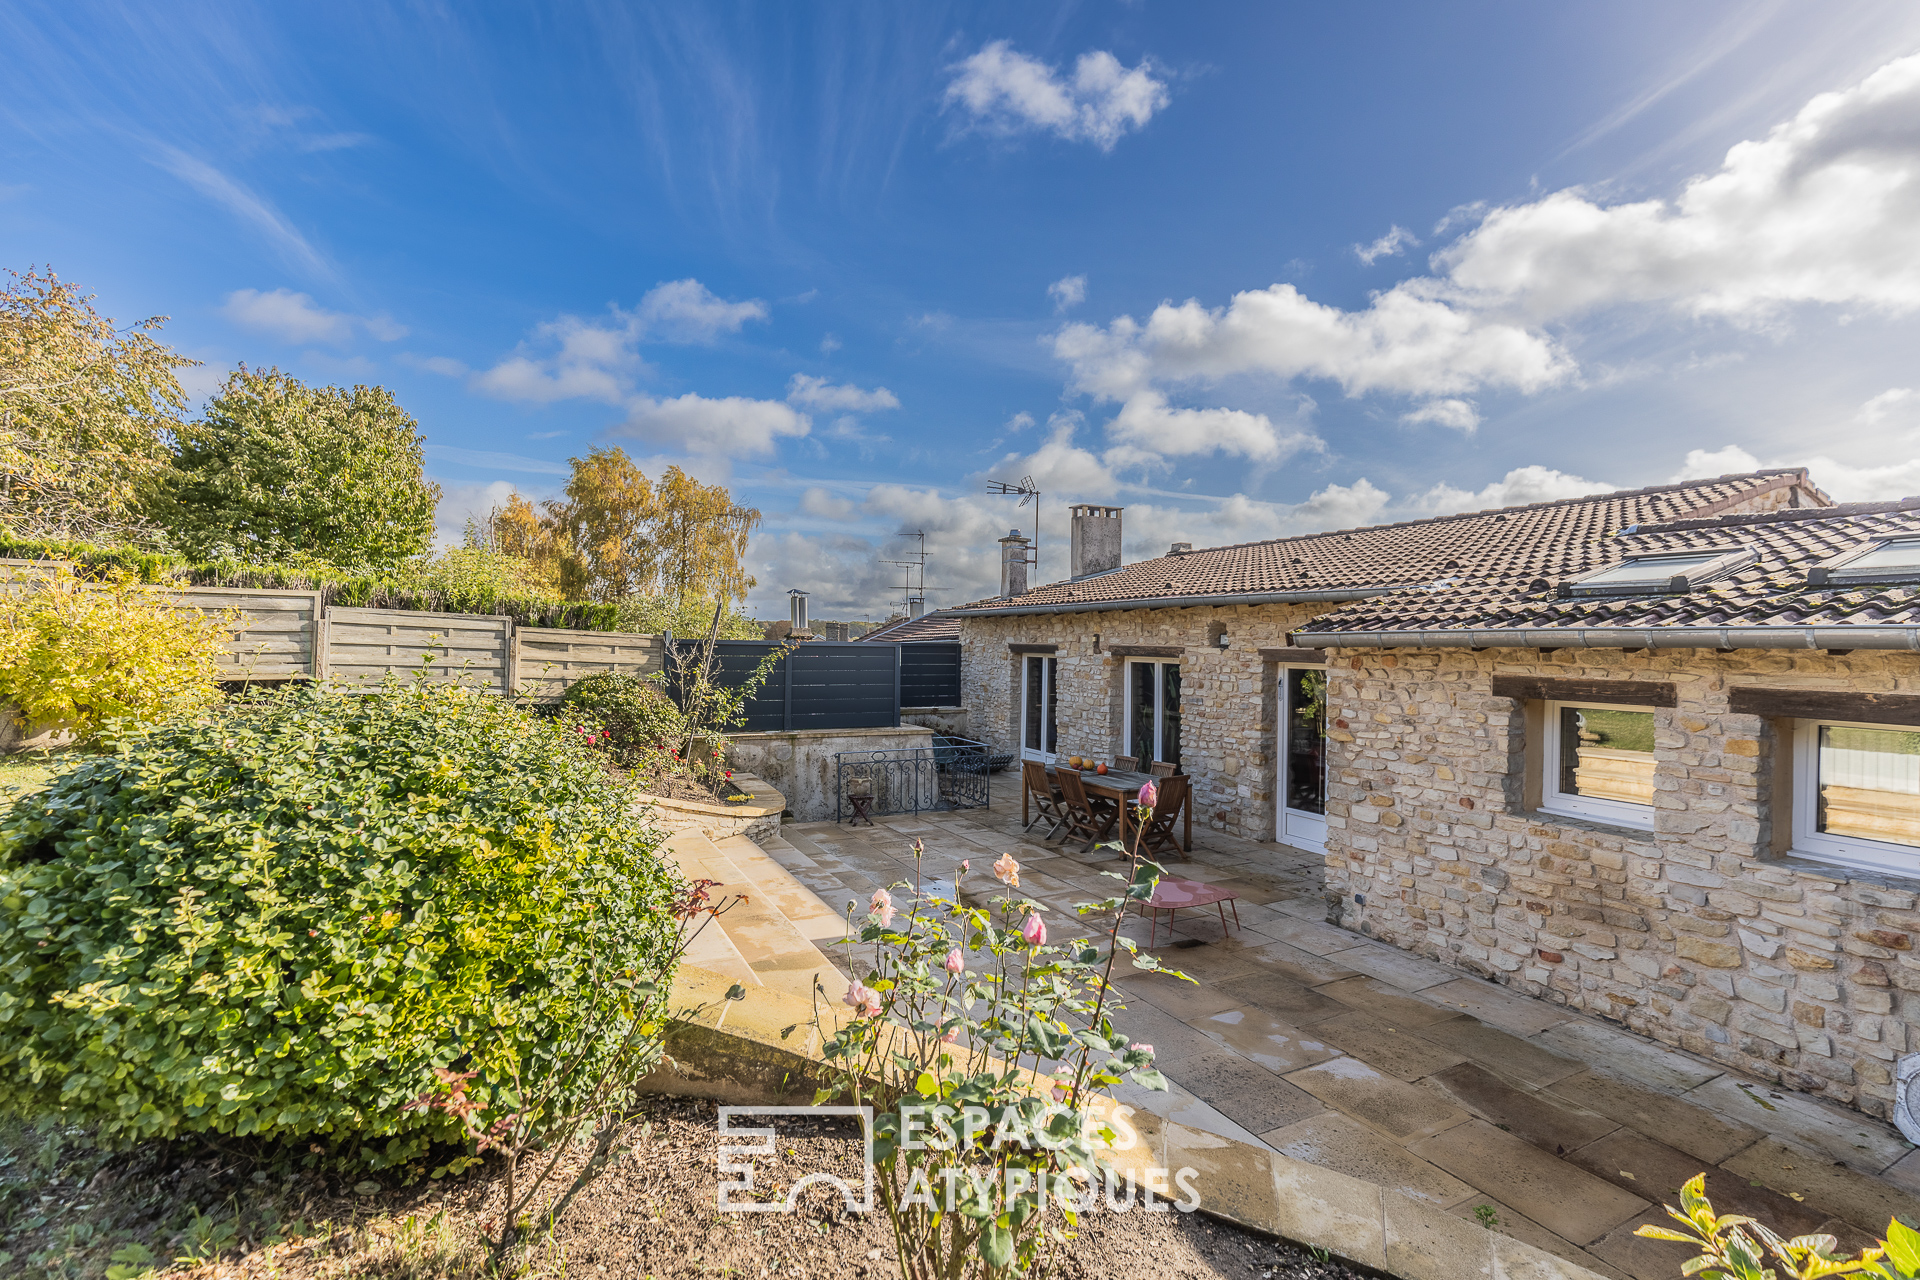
(755, 942)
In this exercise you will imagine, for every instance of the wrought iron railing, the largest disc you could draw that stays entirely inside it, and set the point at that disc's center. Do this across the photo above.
(950, 774)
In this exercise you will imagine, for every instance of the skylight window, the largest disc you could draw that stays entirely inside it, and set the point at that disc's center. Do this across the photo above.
(1660, 572)
(1890, 560)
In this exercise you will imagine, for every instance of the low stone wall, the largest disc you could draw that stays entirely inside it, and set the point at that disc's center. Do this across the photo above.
(757, 820)
(800, 763)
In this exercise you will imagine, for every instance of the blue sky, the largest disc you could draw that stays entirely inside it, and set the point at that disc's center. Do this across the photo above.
(1244, 269)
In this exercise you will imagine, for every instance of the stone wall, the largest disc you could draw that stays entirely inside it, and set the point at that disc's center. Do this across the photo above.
(1226, 695)
(1702, 933)
(801, 763)
(952, 721)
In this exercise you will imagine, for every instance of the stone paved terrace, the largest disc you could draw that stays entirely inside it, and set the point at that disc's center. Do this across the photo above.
(1353, 1054)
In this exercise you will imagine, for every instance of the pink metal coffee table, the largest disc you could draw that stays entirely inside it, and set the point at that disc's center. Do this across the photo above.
(1171, 895)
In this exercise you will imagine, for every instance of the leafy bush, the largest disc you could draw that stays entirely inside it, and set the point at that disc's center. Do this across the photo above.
(631, 708)
(84, 657)
(280, 919)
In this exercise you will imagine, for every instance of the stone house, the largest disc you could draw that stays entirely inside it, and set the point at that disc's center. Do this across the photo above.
(1652, 754)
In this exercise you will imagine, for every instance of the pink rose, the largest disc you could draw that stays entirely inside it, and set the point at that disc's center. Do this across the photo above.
(1033, 930)
(952, 1037)
(862, 999)
(966, 865)
(956, 963)
(1007, 871)
(1144, 1048)
(1148, 795)
(882, 906)
(1059, 1094)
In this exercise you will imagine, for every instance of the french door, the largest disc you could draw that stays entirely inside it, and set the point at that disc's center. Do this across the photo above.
(1153, 712)
(1039, 701)
(1301, 819)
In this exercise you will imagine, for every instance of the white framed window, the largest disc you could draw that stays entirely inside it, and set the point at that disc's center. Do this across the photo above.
(1856, 797)
(1152, 713)
(1597, 763)
(1039, 707)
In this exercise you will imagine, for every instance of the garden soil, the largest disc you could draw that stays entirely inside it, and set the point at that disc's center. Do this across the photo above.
(650, 1212)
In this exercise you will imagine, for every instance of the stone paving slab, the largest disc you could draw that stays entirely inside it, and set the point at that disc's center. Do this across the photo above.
(1418, 1058)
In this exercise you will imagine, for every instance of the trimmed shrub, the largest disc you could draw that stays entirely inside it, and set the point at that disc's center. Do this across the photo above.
(86, 658)
(278, 920)
(635, 710)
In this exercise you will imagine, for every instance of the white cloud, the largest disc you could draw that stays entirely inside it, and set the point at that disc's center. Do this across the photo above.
(573, 358)
(296, 317)
(1885, 403)
(243, 204)
(1007, 92)
(1147, 424)
(1067, 292)
(818, 393)
(497, 461)
(1704, 465)
(1825, 209)
(825, 506)
(1388, 245)
(1461, 415)
(1518, 487)
(464, 500)
(687, 311)
(830, 344)
(726, 426)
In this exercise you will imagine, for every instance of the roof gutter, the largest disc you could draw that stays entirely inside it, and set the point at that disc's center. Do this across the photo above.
(1331, 595)
(1832, 637)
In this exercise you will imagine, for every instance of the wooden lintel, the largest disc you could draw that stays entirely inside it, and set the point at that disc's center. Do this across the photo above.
(1146, 650)
(1033, 648)
(1631, 693)
(1827, 704)
(1316, 657)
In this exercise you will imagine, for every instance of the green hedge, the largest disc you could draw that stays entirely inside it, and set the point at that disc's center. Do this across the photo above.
(277, 919)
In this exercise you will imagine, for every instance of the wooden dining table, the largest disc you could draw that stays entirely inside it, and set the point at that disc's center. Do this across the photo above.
(1123, 788)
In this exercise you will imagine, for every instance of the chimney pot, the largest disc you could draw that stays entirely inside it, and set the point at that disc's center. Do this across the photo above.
(797, 609)
(1013, 564)
(1096, 540)
(1179, 548)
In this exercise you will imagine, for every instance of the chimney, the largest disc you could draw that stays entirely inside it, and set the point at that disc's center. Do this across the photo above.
(1096, 540)
(916, 608)
(1013, 564)
(797, 609)
(1179, 548)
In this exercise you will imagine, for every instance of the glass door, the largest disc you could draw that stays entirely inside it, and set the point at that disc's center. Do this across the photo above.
(1302, 816)
(1153, 712)
(1039, 701)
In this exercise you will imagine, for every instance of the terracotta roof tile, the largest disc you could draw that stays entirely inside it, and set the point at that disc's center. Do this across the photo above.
(941, 624)
(1554, 539)
(1771, 591)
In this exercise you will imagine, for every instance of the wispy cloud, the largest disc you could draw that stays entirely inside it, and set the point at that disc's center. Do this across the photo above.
(497, 461)
(296, 317)
(243, 204)
(1387, 246)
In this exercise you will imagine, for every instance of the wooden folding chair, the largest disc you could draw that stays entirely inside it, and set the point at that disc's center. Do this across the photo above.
(1171, 796)
(1127, 764)
(1045, 797)
(1084, 815)
(1161, 769)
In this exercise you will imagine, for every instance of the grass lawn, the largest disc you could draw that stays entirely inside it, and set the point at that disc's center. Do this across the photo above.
(28, 771)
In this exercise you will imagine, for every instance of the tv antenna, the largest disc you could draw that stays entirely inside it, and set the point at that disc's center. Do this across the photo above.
(914, 566)
(1029, 492)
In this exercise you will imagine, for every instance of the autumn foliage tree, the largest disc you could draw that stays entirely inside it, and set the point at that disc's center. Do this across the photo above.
(616, 535)
(85, 412)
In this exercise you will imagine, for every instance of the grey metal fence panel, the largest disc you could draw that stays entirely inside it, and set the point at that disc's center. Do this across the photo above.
(930, 673)
(548, 659)
(821, 684)
(364, 646)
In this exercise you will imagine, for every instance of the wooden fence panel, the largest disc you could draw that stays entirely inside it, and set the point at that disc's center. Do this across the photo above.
(365, 645)
(548, 659)
(278, 634)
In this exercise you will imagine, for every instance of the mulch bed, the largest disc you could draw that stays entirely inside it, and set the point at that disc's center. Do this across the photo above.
(651, 1211)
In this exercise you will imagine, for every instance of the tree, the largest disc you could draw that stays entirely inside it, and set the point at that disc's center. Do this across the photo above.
(85, 411)
(616, 536)
(278, 470)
